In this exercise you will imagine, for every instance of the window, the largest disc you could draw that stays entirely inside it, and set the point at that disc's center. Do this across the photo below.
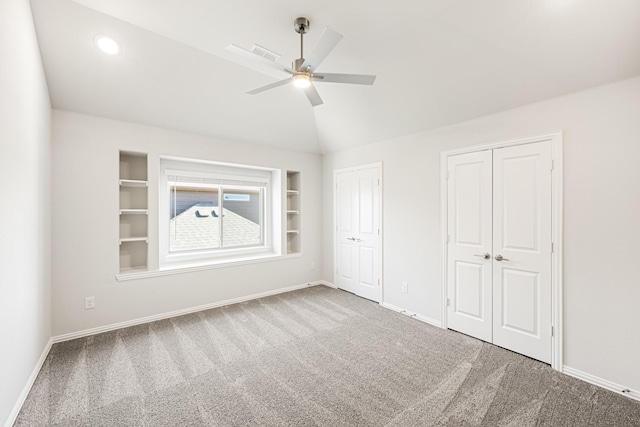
(238, 197)
(213, 211)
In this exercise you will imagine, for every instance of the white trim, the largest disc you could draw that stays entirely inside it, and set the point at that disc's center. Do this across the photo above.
(27, 387)
(378, 166)
(210, 162)
(357, 168)
(556, 237)
(161, 316)
(419, 317)
(328, 284)
(221, 178)
(600, 382)
(444, 230)
(557, 261)
(191, 267)
(264, 179)
(507, 143)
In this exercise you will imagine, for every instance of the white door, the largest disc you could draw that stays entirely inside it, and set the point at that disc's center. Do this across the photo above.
(522, 249)
(499, 250)
(469, 275)
(358, 227)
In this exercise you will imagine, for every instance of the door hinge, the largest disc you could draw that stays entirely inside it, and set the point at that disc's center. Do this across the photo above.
(448, 302)
(378, 231)
(552, 248)
(378, 282)
(378, 182)
(552, 330)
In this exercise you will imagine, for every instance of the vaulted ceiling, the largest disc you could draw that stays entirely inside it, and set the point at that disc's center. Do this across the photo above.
(437, 62)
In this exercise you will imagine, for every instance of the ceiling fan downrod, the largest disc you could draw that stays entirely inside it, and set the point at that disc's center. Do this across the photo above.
(301, 25)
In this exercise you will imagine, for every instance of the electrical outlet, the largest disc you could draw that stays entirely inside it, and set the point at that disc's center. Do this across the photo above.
(313, 265)
(89, 303)
(405, 287)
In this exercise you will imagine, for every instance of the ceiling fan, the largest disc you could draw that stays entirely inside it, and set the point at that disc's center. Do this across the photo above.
(302, 72)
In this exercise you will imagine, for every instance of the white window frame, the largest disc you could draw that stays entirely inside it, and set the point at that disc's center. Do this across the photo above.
(229, 175)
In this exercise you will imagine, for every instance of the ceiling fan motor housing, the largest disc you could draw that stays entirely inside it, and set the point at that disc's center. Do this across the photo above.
(301, 25)
(297, 63)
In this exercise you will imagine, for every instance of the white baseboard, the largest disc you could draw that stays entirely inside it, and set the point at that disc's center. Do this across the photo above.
(27, 387)
(328, 284)
(601, 382)
(143, 320)
(414, 315)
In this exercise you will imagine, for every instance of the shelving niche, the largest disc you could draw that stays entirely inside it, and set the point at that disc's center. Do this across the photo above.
(293, 212)
(133, 212)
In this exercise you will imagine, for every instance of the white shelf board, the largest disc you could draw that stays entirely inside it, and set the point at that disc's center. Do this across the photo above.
(134, 211)
(133, 270)
(292, 192)
(133, 183)
(293, 212)
(134, 239)
(293, 231)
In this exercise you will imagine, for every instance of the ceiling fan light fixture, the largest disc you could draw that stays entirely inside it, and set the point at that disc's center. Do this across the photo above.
(301, 80)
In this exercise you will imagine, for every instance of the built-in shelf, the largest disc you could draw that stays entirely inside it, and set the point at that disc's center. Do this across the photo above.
(134, 239)
(134, 212)
(293, 212)
(133, 270)
(133, 183)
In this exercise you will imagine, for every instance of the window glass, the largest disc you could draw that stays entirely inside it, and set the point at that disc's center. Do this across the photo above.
(194, 217)
(214, 211)
(241, 218)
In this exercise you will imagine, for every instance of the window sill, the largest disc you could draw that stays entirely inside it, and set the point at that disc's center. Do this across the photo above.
(209, 265)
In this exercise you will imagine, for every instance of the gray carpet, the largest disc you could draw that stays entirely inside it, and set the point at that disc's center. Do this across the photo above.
(318, 356)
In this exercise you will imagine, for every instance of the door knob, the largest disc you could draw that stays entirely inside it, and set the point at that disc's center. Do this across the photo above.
(500, 258)
(485, 255)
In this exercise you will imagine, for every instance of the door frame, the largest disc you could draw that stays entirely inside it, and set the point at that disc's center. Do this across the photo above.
(379, 269)
(556, 230)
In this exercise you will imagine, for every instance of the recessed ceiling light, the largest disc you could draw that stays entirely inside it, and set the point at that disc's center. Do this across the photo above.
(107, 45)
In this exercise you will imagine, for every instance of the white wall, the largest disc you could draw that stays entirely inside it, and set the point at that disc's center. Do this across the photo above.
(601, 217)
(86, 224)
(25, 245)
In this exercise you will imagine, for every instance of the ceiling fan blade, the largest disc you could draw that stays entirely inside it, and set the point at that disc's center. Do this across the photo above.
(313, 95)
(357, 79)
(269, 86)
(328, 40)
(258, 63)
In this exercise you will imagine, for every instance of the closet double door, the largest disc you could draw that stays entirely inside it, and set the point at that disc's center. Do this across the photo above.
(499, 247)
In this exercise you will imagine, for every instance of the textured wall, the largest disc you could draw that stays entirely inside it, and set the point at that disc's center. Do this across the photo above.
(86, 255)
(25, 214)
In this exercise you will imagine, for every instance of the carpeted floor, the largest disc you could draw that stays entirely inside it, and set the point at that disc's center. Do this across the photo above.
(318, 356)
